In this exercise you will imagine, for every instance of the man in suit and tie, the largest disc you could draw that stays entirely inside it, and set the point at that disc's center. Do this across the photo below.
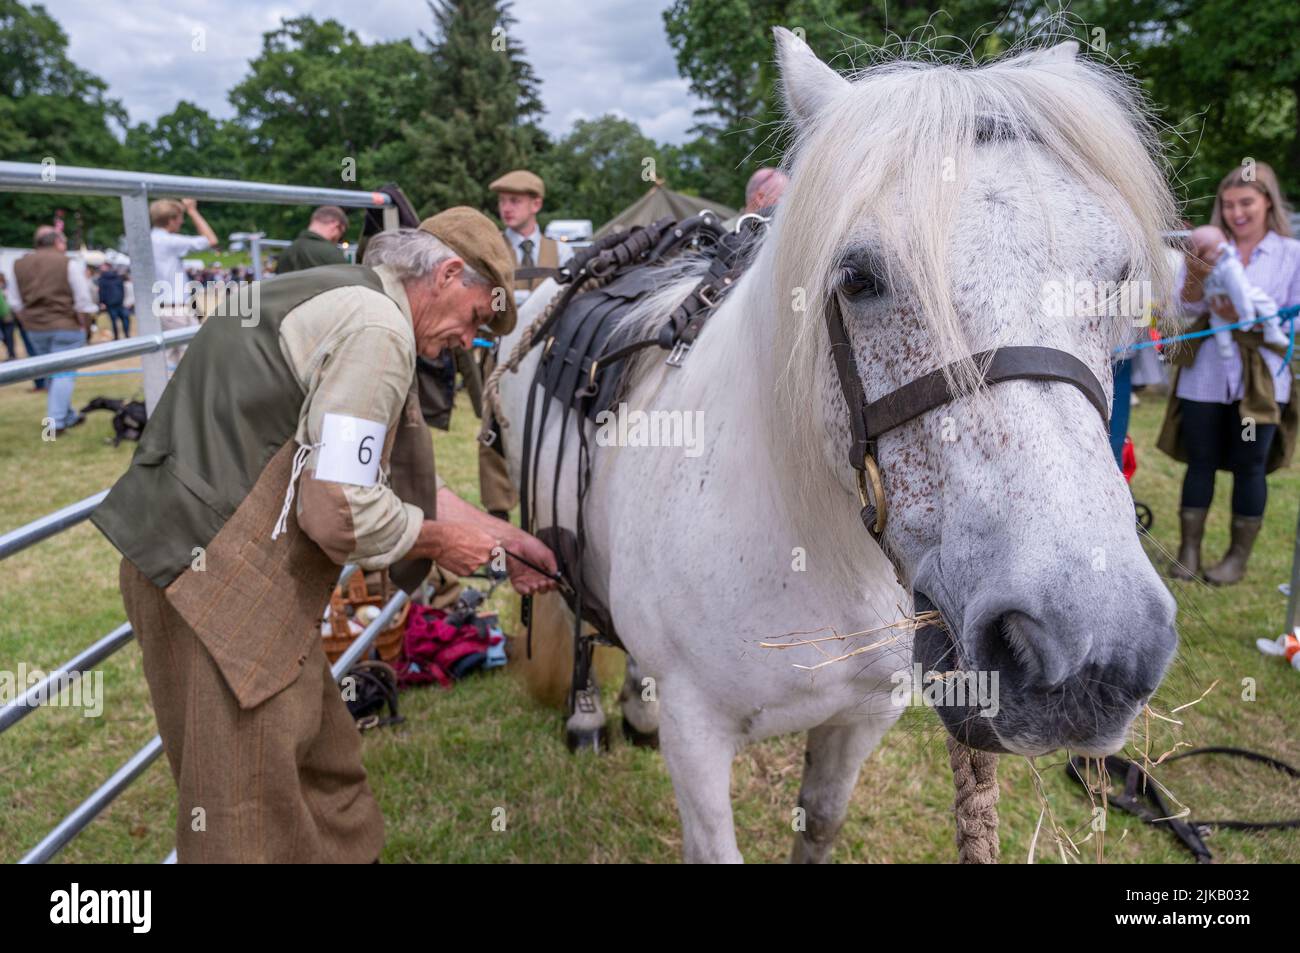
(519, 199)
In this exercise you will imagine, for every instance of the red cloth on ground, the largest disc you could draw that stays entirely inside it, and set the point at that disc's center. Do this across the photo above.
(431, 646)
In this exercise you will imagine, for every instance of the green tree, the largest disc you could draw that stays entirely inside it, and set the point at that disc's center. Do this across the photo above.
(321, 107)
(53, 111)
(724, 48)
(189, 141)
(479, 111)
(599, 168)
(1225, 77)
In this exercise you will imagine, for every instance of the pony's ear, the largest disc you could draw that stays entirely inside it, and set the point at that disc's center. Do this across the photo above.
(807, 83)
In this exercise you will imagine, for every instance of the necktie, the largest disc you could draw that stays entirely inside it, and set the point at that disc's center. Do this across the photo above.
(526, 246)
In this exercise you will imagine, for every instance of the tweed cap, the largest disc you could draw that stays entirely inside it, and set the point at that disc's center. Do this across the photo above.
(520, 180)
(472, 236)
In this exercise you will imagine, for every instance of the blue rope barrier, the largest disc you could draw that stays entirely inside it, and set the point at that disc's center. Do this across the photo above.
(1287, 314)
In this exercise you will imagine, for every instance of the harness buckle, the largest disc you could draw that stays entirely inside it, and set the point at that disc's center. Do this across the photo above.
(872, 496)
(761, 220)
(591, 379)
(678, 355)
(706, 294)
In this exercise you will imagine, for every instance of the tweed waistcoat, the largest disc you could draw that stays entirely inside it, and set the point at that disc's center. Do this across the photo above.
(547, 256)
(47, 296)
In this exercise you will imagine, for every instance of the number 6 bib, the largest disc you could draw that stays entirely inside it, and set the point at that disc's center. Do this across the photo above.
(350, 450)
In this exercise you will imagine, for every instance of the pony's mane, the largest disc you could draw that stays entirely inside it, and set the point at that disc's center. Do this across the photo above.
(893, 133)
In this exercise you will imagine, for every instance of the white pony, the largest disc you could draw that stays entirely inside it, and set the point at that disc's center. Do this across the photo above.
(938, 203)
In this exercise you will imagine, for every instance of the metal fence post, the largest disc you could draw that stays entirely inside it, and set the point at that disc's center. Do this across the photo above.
(135, 214)
(391, 221)
(255, 249)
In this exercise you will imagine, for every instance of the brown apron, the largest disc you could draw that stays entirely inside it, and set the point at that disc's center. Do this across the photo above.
(257, 735)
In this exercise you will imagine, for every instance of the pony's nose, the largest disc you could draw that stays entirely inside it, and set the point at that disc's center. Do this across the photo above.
(1030, 652)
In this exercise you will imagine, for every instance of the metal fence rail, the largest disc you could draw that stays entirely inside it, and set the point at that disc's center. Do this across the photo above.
(89, 809)
(258, 243)
(135, 190)
(75, 667)
(30, 368)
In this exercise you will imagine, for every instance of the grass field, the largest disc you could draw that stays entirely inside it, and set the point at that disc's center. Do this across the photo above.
(462, 754)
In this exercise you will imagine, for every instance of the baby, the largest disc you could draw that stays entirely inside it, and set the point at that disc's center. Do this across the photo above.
(1228, 278)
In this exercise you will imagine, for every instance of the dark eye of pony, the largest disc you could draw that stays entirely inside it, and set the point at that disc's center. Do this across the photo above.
(858, 280)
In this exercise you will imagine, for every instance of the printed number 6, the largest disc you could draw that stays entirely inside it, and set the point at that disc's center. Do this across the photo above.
(364, 453)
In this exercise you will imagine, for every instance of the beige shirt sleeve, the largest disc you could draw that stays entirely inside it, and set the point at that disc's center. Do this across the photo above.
(357, 360)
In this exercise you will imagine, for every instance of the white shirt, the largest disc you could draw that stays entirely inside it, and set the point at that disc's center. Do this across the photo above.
(82, 302)
(168, 250)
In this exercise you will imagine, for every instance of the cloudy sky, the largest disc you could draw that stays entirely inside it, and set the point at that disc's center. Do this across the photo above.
(592, 58)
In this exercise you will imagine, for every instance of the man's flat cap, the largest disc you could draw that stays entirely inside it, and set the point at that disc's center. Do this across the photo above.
(472, 236)
(520, 180)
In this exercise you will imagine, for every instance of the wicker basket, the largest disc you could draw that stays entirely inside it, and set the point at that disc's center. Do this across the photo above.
(363, 589)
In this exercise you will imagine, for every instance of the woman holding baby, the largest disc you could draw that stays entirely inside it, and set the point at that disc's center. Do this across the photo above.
(1232, 406)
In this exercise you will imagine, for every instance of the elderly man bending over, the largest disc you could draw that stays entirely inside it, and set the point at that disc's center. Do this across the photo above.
(285, 446)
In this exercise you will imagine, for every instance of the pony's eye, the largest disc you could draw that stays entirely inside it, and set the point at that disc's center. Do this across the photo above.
(858, 282)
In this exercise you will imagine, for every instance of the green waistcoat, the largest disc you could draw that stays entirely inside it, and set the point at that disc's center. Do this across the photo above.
(232, 404)
(210, 476)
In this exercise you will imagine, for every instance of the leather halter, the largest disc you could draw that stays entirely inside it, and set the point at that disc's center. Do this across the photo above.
(868, 421)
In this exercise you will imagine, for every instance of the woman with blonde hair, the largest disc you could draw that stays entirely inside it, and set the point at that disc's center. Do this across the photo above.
(1233, 410)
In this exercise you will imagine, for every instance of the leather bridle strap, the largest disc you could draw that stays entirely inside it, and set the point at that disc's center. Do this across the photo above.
(1018, 362)
(868, 421)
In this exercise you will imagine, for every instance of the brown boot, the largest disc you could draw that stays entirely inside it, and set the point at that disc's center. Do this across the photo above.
(1188, 563)
(1232, 568)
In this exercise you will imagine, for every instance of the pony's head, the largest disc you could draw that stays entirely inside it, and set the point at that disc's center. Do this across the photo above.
(952, 210)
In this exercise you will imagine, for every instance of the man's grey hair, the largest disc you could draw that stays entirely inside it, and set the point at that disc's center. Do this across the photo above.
(413, 254)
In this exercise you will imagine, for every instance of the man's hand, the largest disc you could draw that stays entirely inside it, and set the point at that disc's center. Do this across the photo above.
(528, 581)
(200, 223)
(457, 547)
(455, 511)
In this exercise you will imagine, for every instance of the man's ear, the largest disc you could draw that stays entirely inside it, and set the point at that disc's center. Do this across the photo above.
(451, 270)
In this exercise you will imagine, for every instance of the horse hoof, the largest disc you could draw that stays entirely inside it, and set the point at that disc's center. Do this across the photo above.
(641, 739)
(595, 740)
